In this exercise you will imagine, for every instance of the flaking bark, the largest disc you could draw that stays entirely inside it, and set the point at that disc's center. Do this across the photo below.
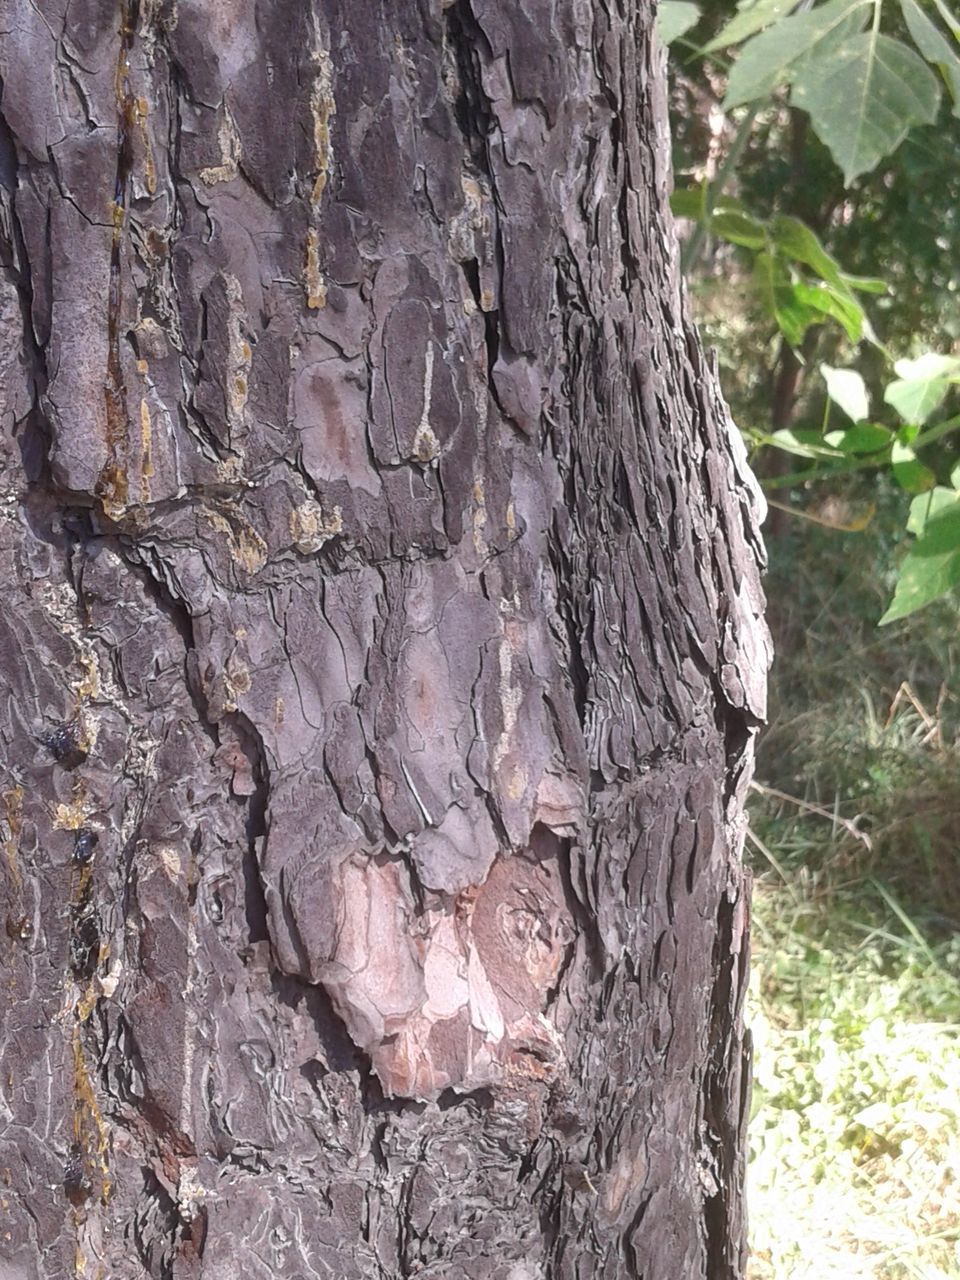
(382, 651)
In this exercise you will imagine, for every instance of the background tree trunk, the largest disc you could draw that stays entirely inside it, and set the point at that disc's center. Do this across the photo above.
(382, 646)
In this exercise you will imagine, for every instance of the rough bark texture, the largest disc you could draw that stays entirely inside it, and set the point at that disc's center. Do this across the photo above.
(382, 649)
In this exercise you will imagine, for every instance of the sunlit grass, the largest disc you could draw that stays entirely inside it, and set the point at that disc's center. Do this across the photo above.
(855, 1140)
(855, 996)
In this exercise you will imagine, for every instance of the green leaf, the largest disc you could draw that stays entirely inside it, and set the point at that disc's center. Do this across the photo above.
(675, 18)
(834, 297)
(796, 240)
(750, 18)
(932, 567)
(928, 364)
(767, 60)
(865, 284)
(955, 476)
(908, 471)
(846, 388)
(926, 505)
(922, 385)
(779, 297)
(864, 438)
(935, 48)
(802, 442)
(825, 298)
(741, 228)
(863, 97)
(690, 202)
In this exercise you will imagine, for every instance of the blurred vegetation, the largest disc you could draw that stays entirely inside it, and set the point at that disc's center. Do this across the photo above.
(855, 1000)
(855, 819)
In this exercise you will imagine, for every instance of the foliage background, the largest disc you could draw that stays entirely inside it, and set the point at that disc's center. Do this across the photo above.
(855, 825)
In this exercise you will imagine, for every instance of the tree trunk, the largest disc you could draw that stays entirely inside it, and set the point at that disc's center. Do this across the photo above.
(383, 650)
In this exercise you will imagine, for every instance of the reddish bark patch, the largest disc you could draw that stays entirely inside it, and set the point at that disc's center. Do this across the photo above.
(454, 995)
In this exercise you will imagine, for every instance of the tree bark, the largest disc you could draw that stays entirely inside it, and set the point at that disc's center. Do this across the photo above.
(383, 649)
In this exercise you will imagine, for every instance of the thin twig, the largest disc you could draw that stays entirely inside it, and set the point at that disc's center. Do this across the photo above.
(931, 723)
(694, 247)
(775, 863)
(857, 525)
(848, 824)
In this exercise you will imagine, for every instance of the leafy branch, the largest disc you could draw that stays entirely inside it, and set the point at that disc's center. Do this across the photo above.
(863, 90)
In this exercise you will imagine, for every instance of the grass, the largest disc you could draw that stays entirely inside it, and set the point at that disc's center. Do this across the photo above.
(855, 998)
(855, 1140)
